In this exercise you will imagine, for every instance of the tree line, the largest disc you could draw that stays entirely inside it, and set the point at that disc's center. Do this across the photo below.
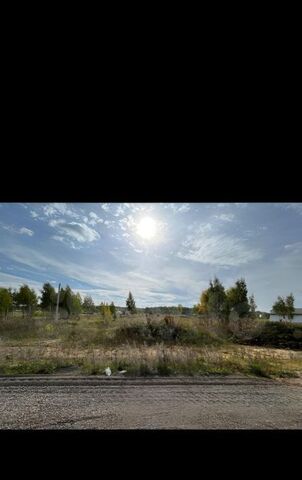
(214, 301)
(219, 302)
(26, 300)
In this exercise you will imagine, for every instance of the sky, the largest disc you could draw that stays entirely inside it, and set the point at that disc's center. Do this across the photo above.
(164, 253)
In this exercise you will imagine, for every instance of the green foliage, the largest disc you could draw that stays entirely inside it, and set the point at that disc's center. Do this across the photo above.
(88, 305)
(167, 330)
(32, 367)
(237, 298)
(48, 297)
(130, 303)
(290, 304)
(259, 369)
(113, 310)
(27, 299)
(70, 302)
(217, 300)
(6, 301)
(285, 306)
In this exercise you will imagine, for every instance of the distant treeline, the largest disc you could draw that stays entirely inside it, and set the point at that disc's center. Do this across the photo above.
(215, 301)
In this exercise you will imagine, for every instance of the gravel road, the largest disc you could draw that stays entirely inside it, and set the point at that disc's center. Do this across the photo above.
(175, 403)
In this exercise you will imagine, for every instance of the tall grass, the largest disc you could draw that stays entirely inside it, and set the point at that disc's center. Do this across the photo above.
(141, 345)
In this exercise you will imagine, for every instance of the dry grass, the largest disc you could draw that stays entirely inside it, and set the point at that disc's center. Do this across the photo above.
(91, 344)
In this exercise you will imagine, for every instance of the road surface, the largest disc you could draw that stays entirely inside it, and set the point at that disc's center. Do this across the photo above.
(49, 402)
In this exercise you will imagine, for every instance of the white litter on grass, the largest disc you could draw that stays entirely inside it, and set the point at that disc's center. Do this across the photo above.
(122, 371)
(108, 371)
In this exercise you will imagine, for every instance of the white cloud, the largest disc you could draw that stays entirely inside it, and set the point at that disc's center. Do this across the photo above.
(105, 207)
(94, 219)
(33, 214)
(294, 247)
(19, 231)
(178, 207)
(15, 281)
(74, 230)
(217, 249)
(57, 209)
(109, 223)
(121, 210)
(225, 217)
(26, 231)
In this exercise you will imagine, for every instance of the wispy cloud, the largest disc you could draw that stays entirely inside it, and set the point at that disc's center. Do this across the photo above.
(74, 230)
(26, 231)
(178, 207)
(59, 209)
(15, 281)
(20, 231)
(217, 248)
(225, 217)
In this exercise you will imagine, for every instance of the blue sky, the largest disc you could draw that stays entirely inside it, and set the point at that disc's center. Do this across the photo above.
(100, 249)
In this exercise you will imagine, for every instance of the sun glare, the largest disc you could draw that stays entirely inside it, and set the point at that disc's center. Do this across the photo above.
(146, 228)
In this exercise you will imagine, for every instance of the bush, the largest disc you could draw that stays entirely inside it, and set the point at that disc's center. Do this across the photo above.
(278, 334)
(167, 331)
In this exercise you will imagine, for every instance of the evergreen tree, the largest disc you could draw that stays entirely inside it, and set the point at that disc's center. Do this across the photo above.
(130, 303)
(253, 306)
(6, 301)
(48, 297)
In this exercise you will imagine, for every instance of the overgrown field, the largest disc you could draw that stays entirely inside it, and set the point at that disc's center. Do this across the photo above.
(149, 345)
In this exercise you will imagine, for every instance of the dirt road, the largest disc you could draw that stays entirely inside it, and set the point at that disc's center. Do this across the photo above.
(49, 402)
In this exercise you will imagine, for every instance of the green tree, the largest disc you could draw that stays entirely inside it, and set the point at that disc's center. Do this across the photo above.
(180, 309)
(253, 306)
(285, 306)
(217, 300)
(27, 299)
(6, 301)
(113, 310)
(69, 301)
(130, 303)
(88, 305)
(290, 305)
(66, 299)
(48, 297)
(280, 307)
(237, 298)
(76, 304)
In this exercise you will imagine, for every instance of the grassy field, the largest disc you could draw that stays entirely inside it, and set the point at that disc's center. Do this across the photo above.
(148, 345)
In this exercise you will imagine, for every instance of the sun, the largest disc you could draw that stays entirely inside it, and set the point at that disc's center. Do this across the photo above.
(146, 228)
